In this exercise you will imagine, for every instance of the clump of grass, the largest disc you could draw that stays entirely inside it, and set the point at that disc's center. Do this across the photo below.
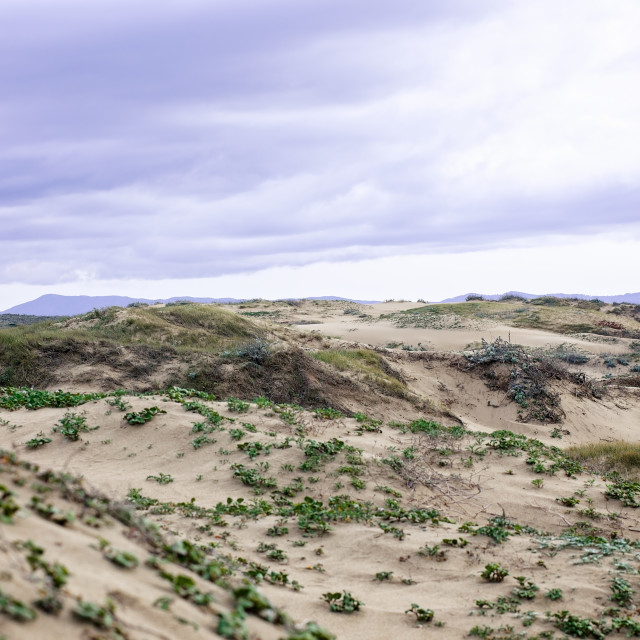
(367, 363)
(620, 456)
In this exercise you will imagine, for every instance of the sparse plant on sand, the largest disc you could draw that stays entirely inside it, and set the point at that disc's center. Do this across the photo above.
(39, 441)
(493, 572)
(161, 478)
(342, 602)
(71, 425)
(422, 615)
(234, 404)
(143, 416)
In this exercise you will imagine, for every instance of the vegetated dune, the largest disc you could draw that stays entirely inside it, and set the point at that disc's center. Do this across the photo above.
(421, 491)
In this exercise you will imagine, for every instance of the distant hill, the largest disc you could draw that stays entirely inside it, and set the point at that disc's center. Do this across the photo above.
(338, 298)
(633, 298)
(56, 305)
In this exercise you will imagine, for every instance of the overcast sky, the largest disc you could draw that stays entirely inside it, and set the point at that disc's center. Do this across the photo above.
(269, 148)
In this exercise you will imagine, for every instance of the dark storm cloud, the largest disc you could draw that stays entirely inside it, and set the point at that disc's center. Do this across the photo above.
(188, 139)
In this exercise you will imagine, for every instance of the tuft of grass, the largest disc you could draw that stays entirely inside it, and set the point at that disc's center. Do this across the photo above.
(620, 456)
(367, 363)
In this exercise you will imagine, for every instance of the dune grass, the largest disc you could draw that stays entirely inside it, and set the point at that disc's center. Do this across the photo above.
(185, 328)
(559, 315)
(365, 362)
(620, 456)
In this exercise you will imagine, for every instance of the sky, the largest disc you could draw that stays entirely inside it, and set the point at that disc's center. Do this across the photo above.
(275, 148)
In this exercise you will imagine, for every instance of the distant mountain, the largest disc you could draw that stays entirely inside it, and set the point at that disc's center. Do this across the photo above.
(57, 305)
(343, 299)
(633, 298)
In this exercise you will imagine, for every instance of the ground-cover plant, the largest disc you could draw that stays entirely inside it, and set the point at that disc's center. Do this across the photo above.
(526, 589)
(13, 398)
(234, 404)
(493, 572)
(381, 576)
(501, 605)
(252, 477)
(39, 441)
(498, 529)
(101, 617)
(263, 402)
(185, 587)
(278, 530)
(120, 558)
(327, 413)
(625, 491)
(569, 501)
(342, 602)
(161, 478)
(593, 547)
(621, 592)
(578, 627)
(201, 441)
(143, 416)
(51, 512)
(422, 615)
(71, 425)
(15, 609)
(118, 402)
(212, 417)
(254, 448)
(56, 573)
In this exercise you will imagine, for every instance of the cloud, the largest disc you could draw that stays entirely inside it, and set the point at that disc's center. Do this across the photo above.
(196, 139)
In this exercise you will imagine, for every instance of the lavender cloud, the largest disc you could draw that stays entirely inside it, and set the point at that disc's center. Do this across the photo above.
(201, 138)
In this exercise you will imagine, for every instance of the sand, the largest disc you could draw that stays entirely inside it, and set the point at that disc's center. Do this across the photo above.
(465, 479)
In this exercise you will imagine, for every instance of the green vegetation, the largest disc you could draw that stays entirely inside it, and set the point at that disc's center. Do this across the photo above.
(493, 572)
(342, 602)
(422, 615)
(161, 478)
(120, 558)
(71, 425)
(39, 441)
(13, 398)
(15, 609)
(621, 592)
(100, 616)
(143, 416)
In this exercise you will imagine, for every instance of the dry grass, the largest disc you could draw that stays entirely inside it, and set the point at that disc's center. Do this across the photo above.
(620, 456)
(367, 363)
(26, 351)
(560, 315)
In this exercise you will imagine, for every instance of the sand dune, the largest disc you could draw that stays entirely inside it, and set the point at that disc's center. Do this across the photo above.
(403, 508)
